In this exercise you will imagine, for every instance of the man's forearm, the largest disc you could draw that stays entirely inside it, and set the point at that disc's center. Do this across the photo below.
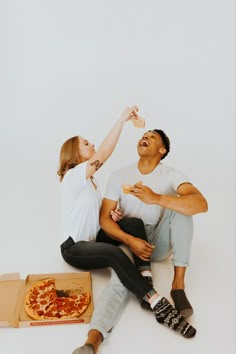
(185, 204)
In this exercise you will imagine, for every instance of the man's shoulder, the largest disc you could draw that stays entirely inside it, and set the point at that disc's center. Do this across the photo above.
(166, 167)
(163, 168)
(170, 171)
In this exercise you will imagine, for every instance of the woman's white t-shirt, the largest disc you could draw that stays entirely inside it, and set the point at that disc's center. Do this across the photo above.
(80, 204)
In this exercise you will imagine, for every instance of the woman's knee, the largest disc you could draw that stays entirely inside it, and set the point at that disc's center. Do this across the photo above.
(132, 225)
(115, 252)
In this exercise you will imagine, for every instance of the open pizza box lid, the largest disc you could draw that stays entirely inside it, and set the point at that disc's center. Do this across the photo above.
(13, 290)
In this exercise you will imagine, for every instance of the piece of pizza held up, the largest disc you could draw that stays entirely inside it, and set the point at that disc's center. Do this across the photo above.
(43, 301)
(138, 122)
(129, 188)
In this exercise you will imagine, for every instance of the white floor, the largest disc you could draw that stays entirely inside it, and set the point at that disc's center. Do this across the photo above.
(210, 280)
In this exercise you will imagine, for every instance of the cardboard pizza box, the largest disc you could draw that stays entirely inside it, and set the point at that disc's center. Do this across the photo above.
(13, 290)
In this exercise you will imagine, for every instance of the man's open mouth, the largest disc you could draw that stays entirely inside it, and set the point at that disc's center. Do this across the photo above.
(144, 143)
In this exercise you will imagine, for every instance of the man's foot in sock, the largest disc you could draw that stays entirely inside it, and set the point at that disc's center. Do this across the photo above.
(167, 315)
(181, 302)
(85, 349)
(144, 304)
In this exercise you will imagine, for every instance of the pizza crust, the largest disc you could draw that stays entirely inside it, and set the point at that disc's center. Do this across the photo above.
(127, 188)
(138, 122)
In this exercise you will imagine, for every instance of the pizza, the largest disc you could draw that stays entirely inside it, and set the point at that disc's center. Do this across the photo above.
(128, 188)
(42, 302)
(138, 122)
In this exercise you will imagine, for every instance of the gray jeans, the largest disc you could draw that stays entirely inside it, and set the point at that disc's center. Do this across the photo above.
(172, 235)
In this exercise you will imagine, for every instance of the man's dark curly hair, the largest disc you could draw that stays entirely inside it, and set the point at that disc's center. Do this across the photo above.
(165, 140)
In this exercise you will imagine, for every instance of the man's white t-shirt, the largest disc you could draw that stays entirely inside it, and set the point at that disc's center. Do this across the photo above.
(80, 204)
(162, 180)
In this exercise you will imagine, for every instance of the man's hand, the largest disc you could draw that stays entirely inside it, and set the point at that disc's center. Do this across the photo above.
(144, 193)
(141, 248)
(116, 215)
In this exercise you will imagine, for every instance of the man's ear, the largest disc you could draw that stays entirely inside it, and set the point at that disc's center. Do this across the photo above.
(162, 151)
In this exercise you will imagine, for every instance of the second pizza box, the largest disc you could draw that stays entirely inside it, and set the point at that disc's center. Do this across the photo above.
(13, 291)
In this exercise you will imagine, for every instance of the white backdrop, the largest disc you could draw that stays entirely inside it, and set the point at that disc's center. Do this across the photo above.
(71, 67)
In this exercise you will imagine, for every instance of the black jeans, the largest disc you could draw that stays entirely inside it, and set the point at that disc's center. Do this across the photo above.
(134, 227)
(94, 255)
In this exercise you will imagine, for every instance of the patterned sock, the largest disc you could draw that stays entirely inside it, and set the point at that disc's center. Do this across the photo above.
(144, 304)
(167, 315)
(85, 349)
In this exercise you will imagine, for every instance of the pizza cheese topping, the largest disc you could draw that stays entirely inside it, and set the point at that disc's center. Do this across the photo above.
(42, 302)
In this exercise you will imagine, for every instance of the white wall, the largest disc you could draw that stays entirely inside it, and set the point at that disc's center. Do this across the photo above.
(71, 67)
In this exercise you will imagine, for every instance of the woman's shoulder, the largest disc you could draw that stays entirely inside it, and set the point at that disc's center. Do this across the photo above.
(77, 172)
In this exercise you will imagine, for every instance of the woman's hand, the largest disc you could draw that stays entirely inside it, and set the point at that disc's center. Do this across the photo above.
(116, 215)
(129, 113)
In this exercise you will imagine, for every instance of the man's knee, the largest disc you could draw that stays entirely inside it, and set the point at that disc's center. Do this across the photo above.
(183, 222)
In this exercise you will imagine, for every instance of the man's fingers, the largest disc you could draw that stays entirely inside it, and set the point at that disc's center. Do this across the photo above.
(137, 188)
(144, 258)
(148, 245)
(115, 216)
(146, 254)
(118, 211)
(143, 254)
(138, 185)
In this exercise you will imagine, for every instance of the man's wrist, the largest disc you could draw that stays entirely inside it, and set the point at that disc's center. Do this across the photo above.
(129, 240)
(156, 198)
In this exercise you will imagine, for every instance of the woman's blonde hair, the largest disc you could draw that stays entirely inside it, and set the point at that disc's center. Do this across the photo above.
(69, 156)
